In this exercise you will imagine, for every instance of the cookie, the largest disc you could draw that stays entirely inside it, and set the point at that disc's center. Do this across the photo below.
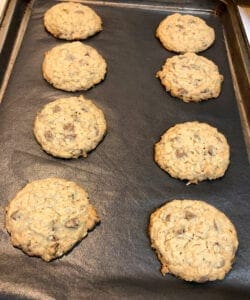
(70, 127)
(193, 240)
(193, 151)
(185, 33)
(48, 217)
(72, 21)
(73, 67)
(190, 77)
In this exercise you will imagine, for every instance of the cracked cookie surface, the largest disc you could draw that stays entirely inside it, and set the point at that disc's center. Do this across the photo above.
(193, 151)
(193, 240)
(73, 67)
(191, 77)
(72, 21)
(185, 33)
(70, 127)
(48, 217)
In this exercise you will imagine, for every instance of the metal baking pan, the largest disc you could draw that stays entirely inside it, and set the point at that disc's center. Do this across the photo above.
(115, 261)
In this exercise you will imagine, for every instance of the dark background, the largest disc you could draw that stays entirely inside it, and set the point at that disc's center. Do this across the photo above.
(115, 261)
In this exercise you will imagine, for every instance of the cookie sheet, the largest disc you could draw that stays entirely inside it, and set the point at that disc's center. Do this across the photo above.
(115, 261)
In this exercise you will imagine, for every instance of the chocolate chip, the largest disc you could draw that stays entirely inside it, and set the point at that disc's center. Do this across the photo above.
(205, 91)
(69, 127)
(175, 139)
(189, 215)
(56, 109)
(48, 135)
(180, 153)
(16, 215)
(211, 150)
(220, 264)
(179, 26)
(72, 223)
(197, 137)
(168, 217)
(180, 231)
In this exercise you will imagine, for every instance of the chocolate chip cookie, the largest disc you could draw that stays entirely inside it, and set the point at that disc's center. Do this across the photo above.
(73, 67)
(48, 217)
(190, 77)
(70, 127)
(72, 21)
(193, 240)
(185, 33)
(193, 151)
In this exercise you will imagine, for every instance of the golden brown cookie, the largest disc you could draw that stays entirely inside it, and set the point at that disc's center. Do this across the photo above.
(193, 240)
(185, 33)
(73, 67)
(48, 217)
(193, 151)
(72, 21)
(70, 127)
(190, 77)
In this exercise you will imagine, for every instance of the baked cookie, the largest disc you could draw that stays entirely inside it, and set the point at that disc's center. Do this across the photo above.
(193, 240)
(72, 21)
(193, 151)
(48, 217)
(73, 67)
(191, 77)
(70, 127)
(185, 33)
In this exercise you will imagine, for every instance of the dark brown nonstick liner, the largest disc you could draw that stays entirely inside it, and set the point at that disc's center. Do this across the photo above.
(115, 261)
